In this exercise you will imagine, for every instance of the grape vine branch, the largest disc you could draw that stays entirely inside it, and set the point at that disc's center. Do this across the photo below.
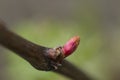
(37, 55)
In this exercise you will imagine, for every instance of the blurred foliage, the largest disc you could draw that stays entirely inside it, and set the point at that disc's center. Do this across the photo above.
(53, 33)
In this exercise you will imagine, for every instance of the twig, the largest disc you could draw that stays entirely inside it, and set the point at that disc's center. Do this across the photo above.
(36, 55)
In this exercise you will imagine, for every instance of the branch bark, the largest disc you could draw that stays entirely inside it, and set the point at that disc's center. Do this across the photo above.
(36, 54)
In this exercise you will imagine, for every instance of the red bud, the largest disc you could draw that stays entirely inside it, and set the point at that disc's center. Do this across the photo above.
(71, 46)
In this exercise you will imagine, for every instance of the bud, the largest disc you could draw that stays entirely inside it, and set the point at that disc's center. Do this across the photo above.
(71, 46)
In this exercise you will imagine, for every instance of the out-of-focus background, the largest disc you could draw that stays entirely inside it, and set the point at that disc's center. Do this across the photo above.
(51, 23)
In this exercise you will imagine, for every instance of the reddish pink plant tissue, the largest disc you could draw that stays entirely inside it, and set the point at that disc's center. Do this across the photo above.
(71, 46)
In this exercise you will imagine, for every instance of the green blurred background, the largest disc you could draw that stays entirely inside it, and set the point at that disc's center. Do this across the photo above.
(51, 23)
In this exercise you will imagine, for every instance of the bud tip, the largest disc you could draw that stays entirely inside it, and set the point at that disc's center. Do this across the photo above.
(71, 46)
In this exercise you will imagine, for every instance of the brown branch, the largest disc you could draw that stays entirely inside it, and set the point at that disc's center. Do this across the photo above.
(71, 71)
(36, 55)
